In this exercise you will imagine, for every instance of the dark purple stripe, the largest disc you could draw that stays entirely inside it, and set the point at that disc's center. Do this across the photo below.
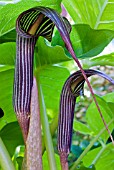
(23, 74)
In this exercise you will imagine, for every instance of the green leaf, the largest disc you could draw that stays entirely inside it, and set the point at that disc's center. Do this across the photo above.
(106, 159)
(111, 106)
(81, 127)
(83, 42)
(52, 79)
(48, 55)
(97, 13)
(94, 120)
(90, 42)
(5, 68)
(45, 162)
(109, 97)
(86, 168)
(8, 37)
(10, 12)
(6, 89)
(19, 162)
(102, 60)
(12, 136)
(18, 156)
(7, 54)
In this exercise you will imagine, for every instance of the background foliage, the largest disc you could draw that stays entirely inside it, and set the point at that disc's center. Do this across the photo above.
(92, 31)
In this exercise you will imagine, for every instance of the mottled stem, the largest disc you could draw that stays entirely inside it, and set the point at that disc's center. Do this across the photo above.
(33, 143)
(63, 160)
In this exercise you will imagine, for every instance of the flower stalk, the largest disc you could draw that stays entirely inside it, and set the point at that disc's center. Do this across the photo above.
(33, 143)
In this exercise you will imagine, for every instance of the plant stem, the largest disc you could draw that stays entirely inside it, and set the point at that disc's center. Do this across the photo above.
(47, 134)
(5, 160)
(54, 124)
(53, 127)
(89, 147)
(98, 155)
(63, 160)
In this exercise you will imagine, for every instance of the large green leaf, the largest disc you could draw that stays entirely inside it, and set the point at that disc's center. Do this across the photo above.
(106, 159)
(12, 136)
(109, 97)
(6, 90)
(102, 60)
(52, 79)
(8, 37)
(87, 42)
(45, 162)
(99, 14)
(7, 54)
(81, 127)
(94, 120)
(48, 55)
(10, 12)
(90, 42)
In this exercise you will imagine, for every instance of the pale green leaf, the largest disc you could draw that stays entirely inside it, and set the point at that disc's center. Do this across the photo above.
(6, 92)
(7, 54)
(45, 162)
(12, 136)
(52, 79)
(105, 160)
(87, 42)
(94, 119)
(81, 127)
(102, 60)
(99, 14)
(10, 12)
(48, 55)
(109, 97)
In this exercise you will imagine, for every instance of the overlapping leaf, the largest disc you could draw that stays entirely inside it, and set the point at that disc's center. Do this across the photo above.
(93, 118)
(52, 80)
(87, 42)
(97, 13)
(10, 138)
(94, 122)
(7, 54)
(6, 88)
(102, 60)
(10, 12)
(105, 160)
